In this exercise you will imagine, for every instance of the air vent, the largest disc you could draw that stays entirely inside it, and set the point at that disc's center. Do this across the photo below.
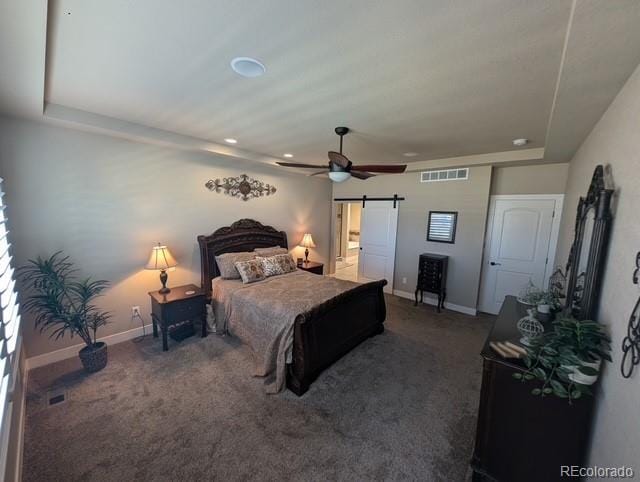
(445, 175)
(56, 397)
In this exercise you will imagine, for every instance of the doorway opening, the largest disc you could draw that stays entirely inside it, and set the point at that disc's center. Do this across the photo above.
(348, 217)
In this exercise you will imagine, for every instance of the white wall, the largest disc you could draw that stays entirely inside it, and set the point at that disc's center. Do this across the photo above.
(615, 141)
(107, 201)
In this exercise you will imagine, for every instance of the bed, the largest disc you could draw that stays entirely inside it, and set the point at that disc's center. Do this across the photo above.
(323, 333)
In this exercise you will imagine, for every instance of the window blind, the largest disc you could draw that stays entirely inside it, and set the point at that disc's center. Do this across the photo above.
(9, 330)
(442, 226)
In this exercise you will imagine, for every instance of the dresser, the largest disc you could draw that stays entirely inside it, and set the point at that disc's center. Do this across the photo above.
(521, 436)
(432, 277)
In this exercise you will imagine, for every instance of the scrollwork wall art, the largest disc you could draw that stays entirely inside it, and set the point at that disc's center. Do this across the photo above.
(242, 187)
(631, 342)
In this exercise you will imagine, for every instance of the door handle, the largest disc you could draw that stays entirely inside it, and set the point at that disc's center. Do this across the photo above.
(493, 263)
(360, 248)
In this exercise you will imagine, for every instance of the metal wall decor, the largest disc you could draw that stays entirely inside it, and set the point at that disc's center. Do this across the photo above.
(242, 186)
(631, 342)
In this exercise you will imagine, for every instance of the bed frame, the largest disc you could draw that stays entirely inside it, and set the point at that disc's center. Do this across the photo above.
(323, 334)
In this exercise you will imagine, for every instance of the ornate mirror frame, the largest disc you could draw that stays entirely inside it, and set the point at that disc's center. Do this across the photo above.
(583, 286)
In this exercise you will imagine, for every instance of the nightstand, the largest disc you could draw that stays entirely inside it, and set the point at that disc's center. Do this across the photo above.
(182, 303)
(312, 267)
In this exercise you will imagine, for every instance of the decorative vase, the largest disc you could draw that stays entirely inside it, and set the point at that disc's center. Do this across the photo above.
(94, 358)
(544, 308)
(582, 378)
(529, 327)
(545, 314)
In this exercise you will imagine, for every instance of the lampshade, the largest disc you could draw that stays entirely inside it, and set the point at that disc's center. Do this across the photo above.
(161, 258)
(339, 176)
(307, 241)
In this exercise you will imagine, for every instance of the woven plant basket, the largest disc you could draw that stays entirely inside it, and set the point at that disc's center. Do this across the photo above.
(94, 358)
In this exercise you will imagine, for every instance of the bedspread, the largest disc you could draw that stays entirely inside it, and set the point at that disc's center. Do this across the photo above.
(262, 315)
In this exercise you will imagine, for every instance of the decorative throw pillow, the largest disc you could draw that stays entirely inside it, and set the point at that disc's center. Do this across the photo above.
(278, 264)
(272, 251)
(250, 271)
(227, 263)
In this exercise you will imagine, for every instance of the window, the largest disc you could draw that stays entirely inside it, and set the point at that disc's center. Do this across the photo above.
(445, 175)
(9, 330)
(442, 226)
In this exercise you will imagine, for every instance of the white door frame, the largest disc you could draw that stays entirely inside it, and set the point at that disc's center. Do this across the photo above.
(553, 240)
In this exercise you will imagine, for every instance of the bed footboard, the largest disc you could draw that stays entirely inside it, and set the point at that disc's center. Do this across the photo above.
(330, 330)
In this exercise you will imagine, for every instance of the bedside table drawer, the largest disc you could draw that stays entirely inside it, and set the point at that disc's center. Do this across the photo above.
(183, 310)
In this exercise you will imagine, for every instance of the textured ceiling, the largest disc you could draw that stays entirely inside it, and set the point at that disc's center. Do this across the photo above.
(441, 78)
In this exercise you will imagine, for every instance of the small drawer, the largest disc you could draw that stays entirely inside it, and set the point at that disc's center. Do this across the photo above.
(183, 310)
(430, 286)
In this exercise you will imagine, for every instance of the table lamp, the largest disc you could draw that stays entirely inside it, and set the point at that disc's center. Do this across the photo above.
(307, 242)
(161, 259)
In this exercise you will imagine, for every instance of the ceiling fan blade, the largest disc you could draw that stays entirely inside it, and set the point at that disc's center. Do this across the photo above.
(386, 168)
(361, 175)
(295, 164)
(319, 173)
(339, 159)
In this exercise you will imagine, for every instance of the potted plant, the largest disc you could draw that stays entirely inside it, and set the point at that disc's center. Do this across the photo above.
(547, 305)
(567, 359)
(64, 304)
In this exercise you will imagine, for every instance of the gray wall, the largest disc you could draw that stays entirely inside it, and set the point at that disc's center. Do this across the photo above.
(470, 198)
(614, 141)
(539, 179)
(107, 201)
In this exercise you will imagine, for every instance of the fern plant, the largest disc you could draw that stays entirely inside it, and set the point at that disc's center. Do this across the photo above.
(60, 301)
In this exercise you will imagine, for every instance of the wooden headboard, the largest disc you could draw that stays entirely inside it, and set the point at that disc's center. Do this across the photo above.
(243, 235)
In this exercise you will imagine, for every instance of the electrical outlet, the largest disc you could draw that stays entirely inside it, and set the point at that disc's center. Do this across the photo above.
(135, 311)
(404, 281)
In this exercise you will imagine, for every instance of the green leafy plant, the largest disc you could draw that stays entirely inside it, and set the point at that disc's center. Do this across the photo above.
(548, 298)
(60, 301)
(555, 355)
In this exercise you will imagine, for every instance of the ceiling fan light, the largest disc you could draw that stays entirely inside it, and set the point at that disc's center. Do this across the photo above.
(339, 176)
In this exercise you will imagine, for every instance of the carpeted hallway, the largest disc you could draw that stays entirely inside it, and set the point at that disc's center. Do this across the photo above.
(401, 406)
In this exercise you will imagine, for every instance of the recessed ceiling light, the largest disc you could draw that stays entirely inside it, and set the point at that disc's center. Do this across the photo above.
(410, 154)
(229, 140)
(287, 155)
(520, 142)
(247, 67)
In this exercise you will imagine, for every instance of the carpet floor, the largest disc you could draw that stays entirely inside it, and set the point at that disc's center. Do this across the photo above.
(401, 406)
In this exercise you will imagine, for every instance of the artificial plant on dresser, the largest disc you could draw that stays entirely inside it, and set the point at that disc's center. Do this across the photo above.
(64, 303)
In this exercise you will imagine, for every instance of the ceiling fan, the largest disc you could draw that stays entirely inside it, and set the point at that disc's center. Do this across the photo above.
(340, 168)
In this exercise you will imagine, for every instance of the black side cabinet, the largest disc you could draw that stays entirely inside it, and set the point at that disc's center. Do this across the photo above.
(432, 277)
(182, 303)
(522, 437)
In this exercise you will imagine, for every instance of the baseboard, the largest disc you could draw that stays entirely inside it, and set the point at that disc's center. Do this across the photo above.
(72, 351)
(434, 301)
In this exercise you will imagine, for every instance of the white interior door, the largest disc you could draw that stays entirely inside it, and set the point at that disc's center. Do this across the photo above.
(521, 238)
(378, 227)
